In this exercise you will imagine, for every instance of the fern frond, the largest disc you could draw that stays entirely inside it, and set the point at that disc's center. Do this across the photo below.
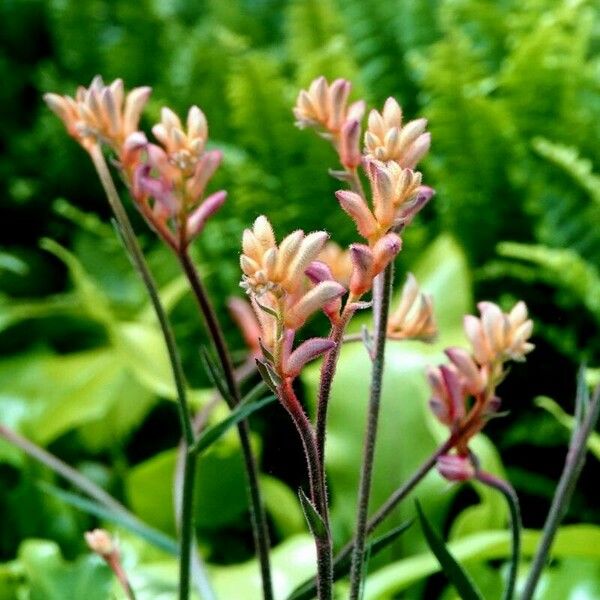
(561, 268)
(568, 159)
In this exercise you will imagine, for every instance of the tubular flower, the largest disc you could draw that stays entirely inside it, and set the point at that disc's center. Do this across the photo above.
(101, 113)
(397, 196)
(495, 338)
(386, 139)
(325, 107)
(274, 276)
(414, 318)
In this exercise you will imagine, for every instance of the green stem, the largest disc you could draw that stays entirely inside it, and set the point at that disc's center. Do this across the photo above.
(318, 496)
(258, 517)
(564, 491)
(356, 573)
(515, 524)
(137, 256)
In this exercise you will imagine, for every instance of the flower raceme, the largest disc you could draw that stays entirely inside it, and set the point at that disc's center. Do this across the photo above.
(100, 113)
(495, 337)
(167, 181)
(386, 139)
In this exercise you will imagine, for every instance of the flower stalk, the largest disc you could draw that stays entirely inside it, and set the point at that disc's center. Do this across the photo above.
(515, 525)
(564, 492)
(356, 573)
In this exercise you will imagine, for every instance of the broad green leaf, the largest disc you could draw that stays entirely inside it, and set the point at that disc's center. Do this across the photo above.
(572, 541)
(50, 577)
(283, 506)
(568, 422)
(452, 569)
(220, 488)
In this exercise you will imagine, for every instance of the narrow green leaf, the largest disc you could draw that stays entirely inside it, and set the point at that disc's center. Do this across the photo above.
(215, 375)
(313, 518)
(151, 535)
(264, 373)
(452, 569)
(255, 393)
(241, 412)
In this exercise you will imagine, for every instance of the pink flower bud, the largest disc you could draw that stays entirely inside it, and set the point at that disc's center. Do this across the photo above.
(361, 279)
(198, 218)
(350, 155)
(472, 378)
(307, 351)
(384, 252)
(455, 468)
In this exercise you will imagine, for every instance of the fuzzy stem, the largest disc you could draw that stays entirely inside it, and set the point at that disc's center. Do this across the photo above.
(317, 488)
(257, 512)
(515, 524)
(137, 256)
(566, 486)
(356, 573)
(328, 368)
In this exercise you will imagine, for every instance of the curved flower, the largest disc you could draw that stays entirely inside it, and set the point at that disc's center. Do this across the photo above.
(387, 139)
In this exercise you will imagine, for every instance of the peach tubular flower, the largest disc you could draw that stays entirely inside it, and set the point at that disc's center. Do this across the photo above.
(100, 113)
(414, 318)
(387, 139)
(325, 105)
(338, 261)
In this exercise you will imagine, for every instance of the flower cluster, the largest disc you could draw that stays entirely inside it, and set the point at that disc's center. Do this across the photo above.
(386, 139)
(275, 278)
(496, 338)
(101, 113)
(167, 180)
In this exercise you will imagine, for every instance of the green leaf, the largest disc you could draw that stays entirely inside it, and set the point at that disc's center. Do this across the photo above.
(313, 518)
(50, 577)
(216, 376)
(151, 535)
(577, 541)
(210, 435)
(283, 506)
(452, 569)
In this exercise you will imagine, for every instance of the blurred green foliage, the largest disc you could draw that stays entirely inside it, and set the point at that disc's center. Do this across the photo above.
(512, 93)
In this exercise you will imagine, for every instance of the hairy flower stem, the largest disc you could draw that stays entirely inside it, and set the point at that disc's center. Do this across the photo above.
(137, 256)
(564, 491)
(366, 472)
(515, 524)
(318, 496)
(328, 368)
(257, 512)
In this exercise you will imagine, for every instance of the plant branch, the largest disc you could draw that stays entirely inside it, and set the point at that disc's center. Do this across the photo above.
(381, 313)
(515, 524)
(566, 486)
(257, 512)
